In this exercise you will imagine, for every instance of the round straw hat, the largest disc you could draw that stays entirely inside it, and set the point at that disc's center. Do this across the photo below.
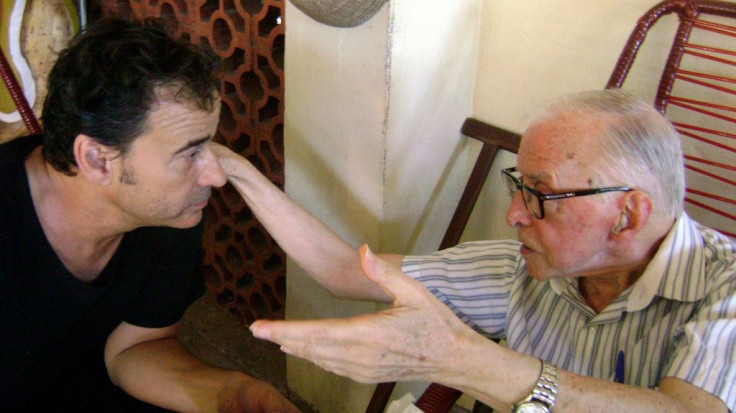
(339, 13)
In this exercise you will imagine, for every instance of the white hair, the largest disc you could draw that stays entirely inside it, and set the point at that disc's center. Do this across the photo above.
(639, 147)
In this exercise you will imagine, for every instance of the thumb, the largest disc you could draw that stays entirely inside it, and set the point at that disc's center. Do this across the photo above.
(395, 283)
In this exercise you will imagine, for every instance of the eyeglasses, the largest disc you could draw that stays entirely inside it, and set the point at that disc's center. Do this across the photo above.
(534, 200)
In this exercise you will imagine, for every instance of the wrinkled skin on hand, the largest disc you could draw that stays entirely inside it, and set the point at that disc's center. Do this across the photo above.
(413, 340)
(253, 396)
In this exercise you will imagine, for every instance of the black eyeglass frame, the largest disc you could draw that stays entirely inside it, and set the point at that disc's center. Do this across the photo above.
(550, 197)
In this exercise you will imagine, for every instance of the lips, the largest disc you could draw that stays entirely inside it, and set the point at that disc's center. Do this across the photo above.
(525, 248)
(201, 201)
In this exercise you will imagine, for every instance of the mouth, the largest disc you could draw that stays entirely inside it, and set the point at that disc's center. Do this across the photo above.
(525, 248)
(201, 201)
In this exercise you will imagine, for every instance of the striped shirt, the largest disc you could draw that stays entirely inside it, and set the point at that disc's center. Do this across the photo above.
(678, 319)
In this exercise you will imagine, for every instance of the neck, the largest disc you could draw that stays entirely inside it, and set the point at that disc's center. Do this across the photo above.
(72, 217)
(602, 288)
(600, 291)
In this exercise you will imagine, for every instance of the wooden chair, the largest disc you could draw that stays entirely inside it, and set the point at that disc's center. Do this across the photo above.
(698, 80)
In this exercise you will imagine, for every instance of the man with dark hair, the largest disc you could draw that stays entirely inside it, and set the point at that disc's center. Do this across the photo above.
(612, 299)
(101, 237)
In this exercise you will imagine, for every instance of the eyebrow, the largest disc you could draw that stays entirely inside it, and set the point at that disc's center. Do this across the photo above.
(534, 179)
(193, 143)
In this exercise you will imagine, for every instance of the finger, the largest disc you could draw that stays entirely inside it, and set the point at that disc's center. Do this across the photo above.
(224, 156)
(326, 330)
(263, 329)
(300, 339)
(395, 283)
(324, 340)
(219, 149)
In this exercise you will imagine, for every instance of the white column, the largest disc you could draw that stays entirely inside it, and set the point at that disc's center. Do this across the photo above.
(372, 145)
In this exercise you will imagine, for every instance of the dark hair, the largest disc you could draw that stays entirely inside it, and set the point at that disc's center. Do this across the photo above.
(105, 83)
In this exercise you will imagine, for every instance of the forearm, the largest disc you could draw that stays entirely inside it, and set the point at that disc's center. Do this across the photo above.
(501, 377)
(163, 373)
(310, 243)
(579, 394)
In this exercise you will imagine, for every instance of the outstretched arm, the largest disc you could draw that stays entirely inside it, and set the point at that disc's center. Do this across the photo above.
(315, 247)
(419, 338)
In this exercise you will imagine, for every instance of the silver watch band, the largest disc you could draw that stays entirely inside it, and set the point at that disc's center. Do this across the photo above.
(545, 390)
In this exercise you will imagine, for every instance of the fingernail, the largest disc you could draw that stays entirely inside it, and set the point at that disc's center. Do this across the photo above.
(366, 250)
(257, 332)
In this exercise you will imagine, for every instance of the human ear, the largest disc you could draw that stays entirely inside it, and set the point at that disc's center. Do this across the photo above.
(637, 207)
(622, 223)
(93, 159)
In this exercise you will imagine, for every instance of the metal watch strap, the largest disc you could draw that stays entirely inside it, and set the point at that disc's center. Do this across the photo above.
(545, 390)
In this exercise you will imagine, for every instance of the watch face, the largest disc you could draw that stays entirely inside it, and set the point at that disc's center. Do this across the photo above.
(531, 407)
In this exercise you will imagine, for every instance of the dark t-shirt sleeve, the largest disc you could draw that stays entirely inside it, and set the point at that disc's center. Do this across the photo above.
(172, 259)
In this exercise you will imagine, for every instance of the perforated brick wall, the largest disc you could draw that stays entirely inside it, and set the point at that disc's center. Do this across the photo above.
(244, 268)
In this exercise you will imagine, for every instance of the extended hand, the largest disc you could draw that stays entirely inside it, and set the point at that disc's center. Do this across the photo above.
(414, 340)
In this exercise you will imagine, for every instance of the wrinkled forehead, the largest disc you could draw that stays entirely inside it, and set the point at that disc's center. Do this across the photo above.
(565, 144)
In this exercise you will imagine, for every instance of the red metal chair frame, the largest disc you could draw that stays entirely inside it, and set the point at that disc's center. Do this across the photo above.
(16, 93)
(690, 14)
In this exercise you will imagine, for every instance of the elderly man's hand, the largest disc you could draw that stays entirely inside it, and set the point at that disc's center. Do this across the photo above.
(228, 159)
(413, 340)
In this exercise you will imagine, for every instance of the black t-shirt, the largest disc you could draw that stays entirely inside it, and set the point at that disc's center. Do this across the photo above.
(53, 327)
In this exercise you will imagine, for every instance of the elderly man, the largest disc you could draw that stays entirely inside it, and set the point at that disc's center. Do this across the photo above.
(100, 242)
(612, 300)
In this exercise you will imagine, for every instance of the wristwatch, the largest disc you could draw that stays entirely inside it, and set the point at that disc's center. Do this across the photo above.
(542, 398)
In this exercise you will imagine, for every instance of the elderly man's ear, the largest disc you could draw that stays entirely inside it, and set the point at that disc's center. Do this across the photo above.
(94, 160)
(637, 207)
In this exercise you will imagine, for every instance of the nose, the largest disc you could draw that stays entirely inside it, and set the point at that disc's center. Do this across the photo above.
(212, 173)
(517, 214)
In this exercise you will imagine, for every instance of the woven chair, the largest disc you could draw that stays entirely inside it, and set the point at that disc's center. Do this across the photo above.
(697, 91)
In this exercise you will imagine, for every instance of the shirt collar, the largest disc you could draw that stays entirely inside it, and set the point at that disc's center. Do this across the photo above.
(676, 270)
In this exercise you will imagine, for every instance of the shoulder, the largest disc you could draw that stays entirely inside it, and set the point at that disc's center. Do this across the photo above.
(694, 261)
(718, 253)
(716, 245)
